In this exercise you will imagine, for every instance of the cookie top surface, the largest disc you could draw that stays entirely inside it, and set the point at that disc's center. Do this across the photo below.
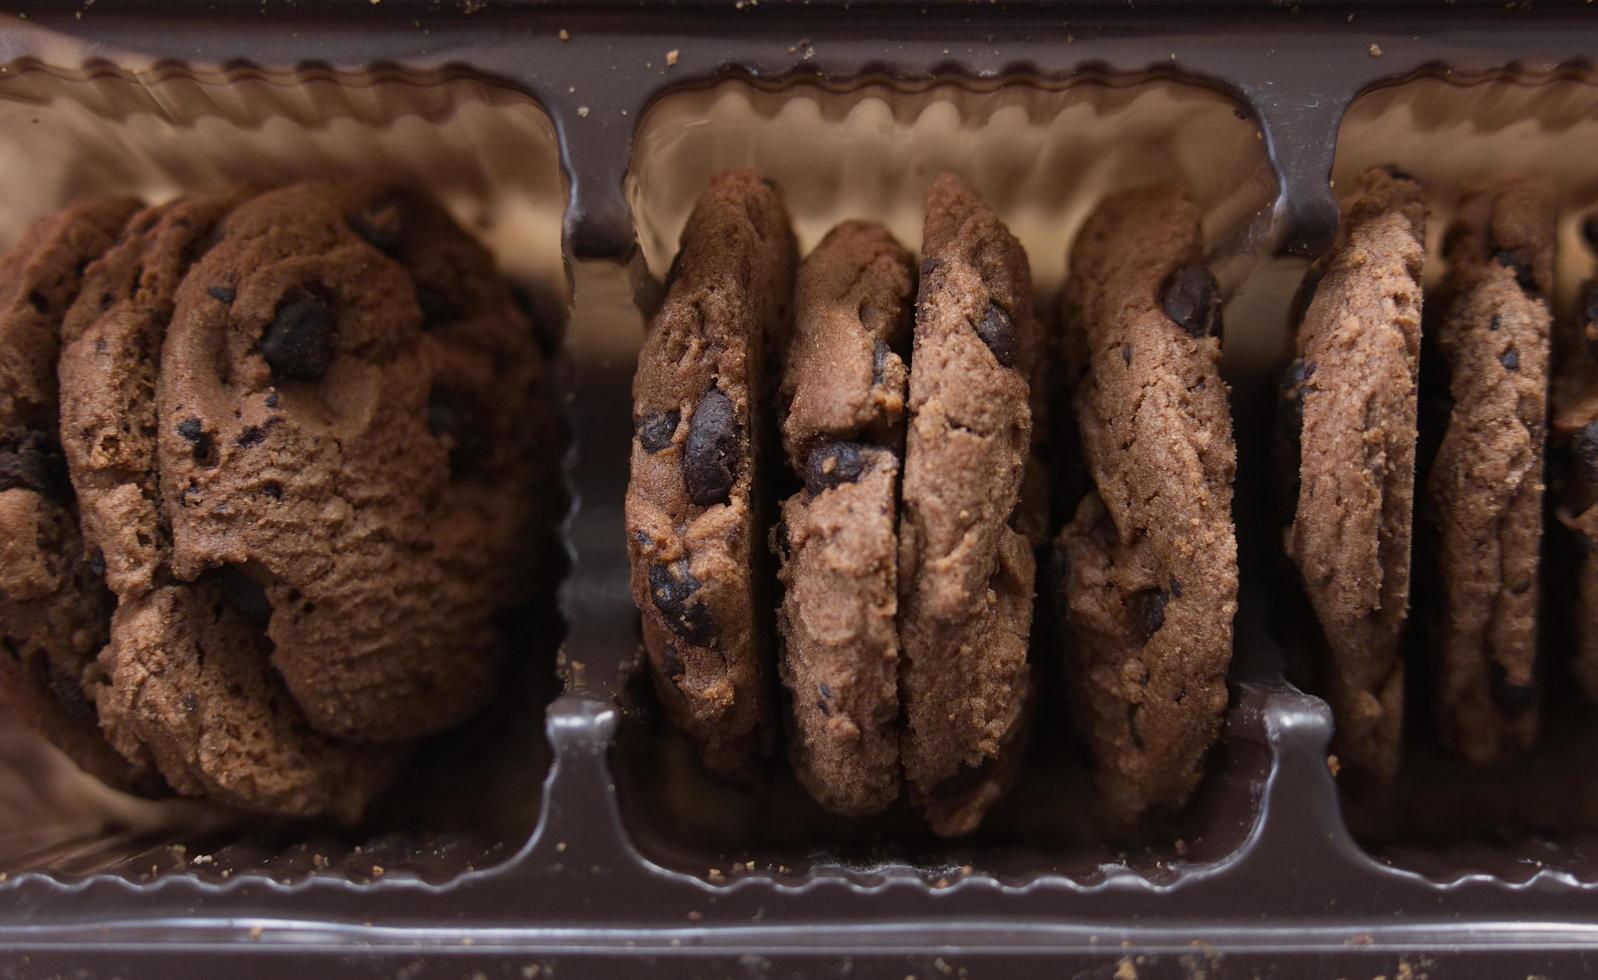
(844, 385)
(1484, 486)
(965, 574)
(1151, 555)
(54, 608)
(700, 397)
(1358, 358)
(350, 408)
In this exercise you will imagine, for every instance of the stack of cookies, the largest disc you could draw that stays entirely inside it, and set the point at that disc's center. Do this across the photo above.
(1429, 430)
(269, 466)
(897, 412)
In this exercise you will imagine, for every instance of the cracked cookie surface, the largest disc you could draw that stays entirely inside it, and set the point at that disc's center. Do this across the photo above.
(697, 494)
(844, 388)
(1148, 576)
(1484, 487)
(965, 572)
(1354, 393)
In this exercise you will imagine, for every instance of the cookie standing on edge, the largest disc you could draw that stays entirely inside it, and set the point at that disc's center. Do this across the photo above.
(1354, 390)
(54, 607)
(1574, 444)
(697, 488)
(844, 388)
(1485, 484)
(965, 572)
(1150, 560)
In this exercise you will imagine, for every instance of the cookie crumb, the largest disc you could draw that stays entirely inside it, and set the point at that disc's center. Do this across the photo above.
(377, 871)
(696, 916)
(565, 35)
(1376, 50)
(1125, 970)
(715, 875)
(1333, 766)
(671, 57)
(582, 112)
(255, 931)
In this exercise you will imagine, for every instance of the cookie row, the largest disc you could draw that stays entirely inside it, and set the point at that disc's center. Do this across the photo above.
(258, 517)
(906, 407)
(1435, 427)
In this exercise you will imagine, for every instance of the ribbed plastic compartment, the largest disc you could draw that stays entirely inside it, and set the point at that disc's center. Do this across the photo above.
(614, 879)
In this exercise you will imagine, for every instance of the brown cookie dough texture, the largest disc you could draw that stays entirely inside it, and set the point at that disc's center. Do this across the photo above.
(1574, 441)
(1150, 560)
(965, 572)
(1355, 378)
(697, 496)
(844, 386)
(54, 607)
(1485, 486)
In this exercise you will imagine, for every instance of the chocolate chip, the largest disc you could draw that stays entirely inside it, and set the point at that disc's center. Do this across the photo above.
(1514, 699)
(298, 343)
(1585, 447)
(385, 221)
(673, 589)
(1148, 611)
(30, 461)
(967, 779)
(1126, 354)
(1191, 298)
(656, 431)
(1495, 323)
(455, 420)
(273, 489)
(997, 330)
(272, 400)
(879, 361)
(201, 445)
(1176, 589)
(833, 465)
(1525, 277)
(222, 294)
(251, 437)
(771, 185)
(438, 310)
(671, 662)
(781, 544)
(710, 458)
(824, 701)
(1510, 360)
(243, 593)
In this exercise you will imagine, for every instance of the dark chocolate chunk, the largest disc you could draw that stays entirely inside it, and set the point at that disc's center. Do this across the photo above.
(455, 420)
(967, 779)
(385, 221)
(655, 431)
(222, 294)
(200, 442)
(673, 589)
(1148, 611)
(997, 330)
(31, 462)
(1126, 354)
(1191, 298)
(824, 700)
(1510, 359)
(879, 360)
(273, 489)
(1525, 277)
(710, 458)
(1513, 699)
(298, 343)
(438, 310)
(251, 437)
(833, 465)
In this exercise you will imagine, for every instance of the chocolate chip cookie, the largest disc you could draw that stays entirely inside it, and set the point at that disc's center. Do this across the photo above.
(965, 571)
(1148, 565)
(698, 493)
(1573, 450)
(1484, 487)
(54, 607)
(1354, 399)
(351, 411)
(844, 388)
